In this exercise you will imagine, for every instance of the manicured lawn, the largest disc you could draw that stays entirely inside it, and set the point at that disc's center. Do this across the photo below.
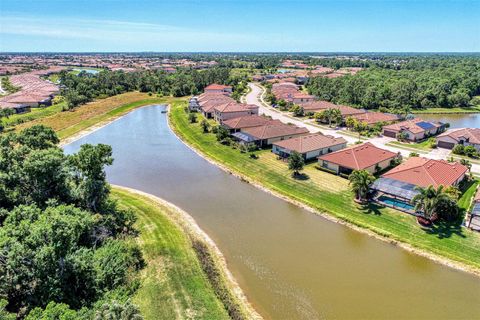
(173, 284)
(466, 199)
(68, 123)
(473, 109)
(420, 146)
(330, 194)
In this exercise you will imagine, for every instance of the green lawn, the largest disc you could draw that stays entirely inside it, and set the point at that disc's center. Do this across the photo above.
(330, 194)
(418, 146)
(466, 198)
(173, 284)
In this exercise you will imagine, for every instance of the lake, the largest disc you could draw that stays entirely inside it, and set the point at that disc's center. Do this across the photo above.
(291, 263)
(468, 120)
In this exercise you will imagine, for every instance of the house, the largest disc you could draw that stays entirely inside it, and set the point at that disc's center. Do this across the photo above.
(208, 101)
(267, 134)
(230, 110)
(466, 137)
(397, 187)
(414, 130)
(319, 106)
(371, 117)
(472, 220)
(240, 123)
(424, 172)
(193, 104)
(218, 88)
(361, 157)
(310, 146)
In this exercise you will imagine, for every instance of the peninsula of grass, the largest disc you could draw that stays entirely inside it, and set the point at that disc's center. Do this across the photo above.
(330, 194)
(68, 123)
(173, 284)
(423, 146)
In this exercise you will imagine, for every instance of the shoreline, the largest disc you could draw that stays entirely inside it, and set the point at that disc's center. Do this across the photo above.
(405, 246)
(190, 227)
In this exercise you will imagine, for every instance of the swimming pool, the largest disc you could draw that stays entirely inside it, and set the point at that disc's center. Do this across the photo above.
(392, 202)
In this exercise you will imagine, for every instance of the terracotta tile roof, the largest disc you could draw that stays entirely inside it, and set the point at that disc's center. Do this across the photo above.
(375, 117)
(234, 107)
(415, 125)
(324, 105)
(248, 121)
(359, 157)
(274, 131)
(470, 134)
(215, 86)
(424, 172)
(310, 142)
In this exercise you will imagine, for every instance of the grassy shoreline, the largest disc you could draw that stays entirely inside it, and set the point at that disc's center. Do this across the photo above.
(329, 195)
(185, 277)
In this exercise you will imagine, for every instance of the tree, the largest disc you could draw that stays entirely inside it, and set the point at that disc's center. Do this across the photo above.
(360, 181)
(297, 110)
(38, 137)
(222, 133)
(115, 310)
(470, 151)
(295, 162)
(402, 136)
(459, 149)
(350, 122)
(5, 113)
(428, 200)
(466, 163)
(91, 188)
(205, 125)
(192, 117)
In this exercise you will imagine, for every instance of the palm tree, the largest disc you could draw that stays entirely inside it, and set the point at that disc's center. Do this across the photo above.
(428, 200)
(360, 181)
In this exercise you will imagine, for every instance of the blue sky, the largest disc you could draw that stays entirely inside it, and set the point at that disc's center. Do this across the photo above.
(274, 25)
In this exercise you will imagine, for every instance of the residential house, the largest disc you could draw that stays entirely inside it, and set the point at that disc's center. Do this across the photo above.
(371, 117)
(309, 146)
(231, 110)
(319, 106)
(218, 88)
(361, 157)
(465, 137)
(267, 134)
(208, 101)
(240, 123)
(414, 130)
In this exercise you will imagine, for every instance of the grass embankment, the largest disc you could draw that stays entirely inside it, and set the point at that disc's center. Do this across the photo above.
(173, 285)
(472, 109)
(68, 123)
(330, 194)
(423, 146)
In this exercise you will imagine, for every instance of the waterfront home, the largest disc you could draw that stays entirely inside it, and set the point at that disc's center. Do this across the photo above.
(267, 134)
(472, 220)
(231, 110)
(414, 130)
(319, 106)
(371, 117)
(208, 101)
(310, 146)
(239, 123)
(193, 104)
(465, 137)
(397, 187)
(361, 157)
(218, 88)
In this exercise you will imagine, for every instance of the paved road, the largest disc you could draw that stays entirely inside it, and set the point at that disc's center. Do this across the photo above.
(255, 97)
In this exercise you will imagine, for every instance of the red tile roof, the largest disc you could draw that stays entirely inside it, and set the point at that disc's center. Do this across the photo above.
(234, 107)
(375, 117)
(215, 86)
(410, 125)
(424, 172)
(359, 157)
(274, 131)
(248, 121)
(310, 142)
(324, 105)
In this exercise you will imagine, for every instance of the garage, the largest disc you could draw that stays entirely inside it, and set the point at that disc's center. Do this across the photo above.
(445, 145)
(391, 134)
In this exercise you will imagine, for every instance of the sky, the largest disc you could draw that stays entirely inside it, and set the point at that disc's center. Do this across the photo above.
(240, 26)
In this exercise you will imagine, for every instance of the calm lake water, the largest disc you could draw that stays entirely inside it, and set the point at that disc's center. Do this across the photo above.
(291, 264)
(471, 120)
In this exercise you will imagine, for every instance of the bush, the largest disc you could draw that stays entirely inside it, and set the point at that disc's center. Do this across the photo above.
(459, 149)
(192, 117)
(414, 154)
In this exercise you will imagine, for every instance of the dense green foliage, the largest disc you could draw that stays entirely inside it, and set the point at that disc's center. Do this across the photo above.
(63, 242)
(85, 87)
(418, 83)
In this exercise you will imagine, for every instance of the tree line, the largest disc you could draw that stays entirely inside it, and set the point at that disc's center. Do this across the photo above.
(84, 87)
(415, 83)
(66, 248)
